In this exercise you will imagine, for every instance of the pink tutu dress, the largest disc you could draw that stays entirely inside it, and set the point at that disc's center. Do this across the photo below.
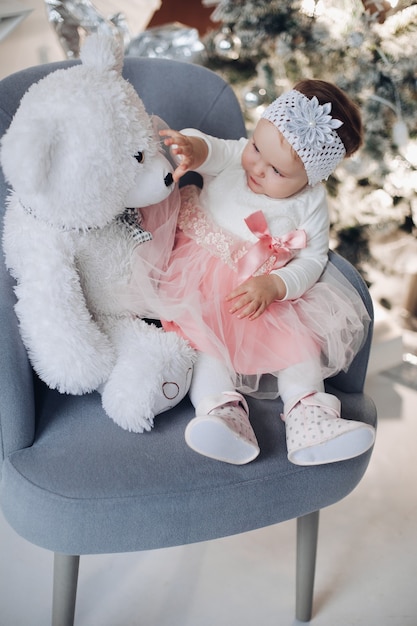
(327, 323)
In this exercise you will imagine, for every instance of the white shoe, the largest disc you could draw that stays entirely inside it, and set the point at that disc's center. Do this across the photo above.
(316, 434)
(221, 429)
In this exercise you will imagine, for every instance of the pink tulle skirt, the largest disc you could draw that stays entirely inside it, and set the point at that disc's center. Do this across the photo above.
(328, 323)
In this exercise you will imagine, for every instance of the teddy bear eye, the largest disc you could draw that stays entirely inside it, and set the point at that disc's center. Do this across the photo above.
(140, 157)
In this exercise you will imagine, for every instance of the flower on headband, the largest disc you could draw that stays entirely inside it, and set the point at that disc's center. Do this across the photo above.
(312, 123)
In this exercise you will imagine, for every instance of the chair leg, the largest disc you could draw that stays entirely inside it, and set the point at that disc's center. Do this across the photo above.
(65, 589)
(307, 534)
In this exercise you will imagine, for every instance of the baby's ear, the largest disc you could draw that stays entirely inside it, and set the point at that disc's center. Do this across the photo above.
(27, 154)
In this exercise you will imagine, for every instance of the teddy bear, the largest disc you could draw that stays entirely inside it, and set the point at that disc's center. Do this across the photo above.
(80, 156)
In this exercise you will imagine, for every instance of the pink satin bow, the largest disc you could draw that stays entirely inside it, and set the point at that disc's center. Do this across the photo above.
(281, 248)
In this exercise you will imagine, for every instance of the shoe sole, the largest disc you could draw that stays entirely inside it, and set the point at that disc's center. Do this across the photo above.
(211, 437)
(346, 446)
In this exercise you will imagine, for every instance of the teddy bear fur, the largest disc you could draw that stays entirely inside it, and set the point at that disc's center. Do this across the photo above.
(79, 150)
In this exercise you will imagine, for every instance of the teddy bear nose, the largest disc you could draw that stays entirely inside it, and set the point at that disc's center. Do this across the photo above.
(168, 180)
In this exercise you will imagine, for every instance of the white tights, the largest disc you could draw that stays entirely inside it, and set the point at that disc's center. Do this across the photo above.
(211, 378)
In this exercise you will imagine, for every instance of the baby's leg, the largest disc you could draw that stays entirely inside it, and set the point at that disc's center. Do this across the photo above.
(299, 381)
(315, 432)
(210, 378)
(221, 429)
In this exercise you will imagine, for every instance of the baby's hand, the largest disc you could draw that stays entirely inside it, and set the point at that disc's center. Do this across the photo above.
(190, 152)
(255, 295)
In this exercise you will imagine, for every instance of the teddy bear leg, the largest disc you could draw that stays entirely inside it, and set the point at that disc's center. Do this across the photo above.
(152, 374)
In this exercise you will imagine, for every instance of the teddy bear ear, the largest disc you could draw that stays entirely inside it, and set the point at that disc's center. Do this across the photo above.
(27, 154)
(102, 52)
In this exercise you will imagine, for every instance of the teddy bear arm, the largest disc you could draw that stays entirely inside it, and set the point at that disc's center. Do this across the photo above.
(69, 353)
(65, 345)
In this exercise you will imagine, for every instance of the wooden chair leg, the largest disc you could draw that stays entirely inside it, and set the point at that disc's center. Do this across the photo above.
(307, 534)
(65, 589)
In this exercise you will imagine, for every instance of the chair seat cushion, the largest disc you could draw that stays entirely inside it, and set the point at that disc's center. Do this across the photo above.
(86, 486)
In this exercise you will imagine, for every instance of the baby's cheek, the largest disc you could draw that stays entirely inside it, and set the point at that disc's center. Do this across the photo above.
(245, 159)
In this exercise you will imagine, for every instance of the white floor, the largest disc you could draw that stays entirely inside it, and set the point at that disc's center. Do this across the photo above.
(366, 570)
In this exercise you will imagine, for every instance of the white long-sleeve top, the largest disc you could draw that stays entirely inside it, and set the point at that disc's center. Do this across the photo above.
(228, 200)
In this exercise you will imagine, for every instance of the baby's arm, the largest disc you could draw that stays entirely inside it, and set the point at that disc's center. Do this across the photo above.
(191, 151)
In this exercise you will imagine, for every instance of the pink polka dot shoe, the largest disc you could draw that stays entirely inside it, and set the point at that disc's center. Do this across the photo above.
(221, 430)
(316, 434)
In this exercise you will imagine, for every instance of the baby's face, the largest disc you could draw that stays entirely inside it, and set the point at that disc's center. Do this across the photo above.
(271, 165)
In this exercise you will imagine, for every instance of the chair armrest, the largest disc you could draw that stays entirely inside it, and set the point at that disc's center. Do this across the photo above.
(353, 380)
(17, 406)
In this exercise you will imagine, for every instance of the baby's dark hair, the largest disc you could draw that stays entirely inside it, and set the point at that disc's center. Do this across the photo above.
(343, 109)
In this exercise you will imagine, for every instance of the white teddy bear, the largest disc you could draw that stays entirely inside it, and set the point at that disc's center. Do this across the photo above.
(80, 149)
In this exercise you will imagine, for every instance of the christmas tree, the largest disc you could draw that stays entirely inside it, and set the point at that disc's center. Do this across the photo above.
(369, 49)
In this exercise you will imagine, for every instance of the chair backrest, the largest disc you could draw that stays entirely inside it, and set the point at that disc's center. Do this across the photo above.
(184, 95)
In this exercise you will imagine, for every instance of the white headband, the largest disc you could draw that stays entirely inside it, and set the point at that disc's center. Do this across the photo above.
(310, 130)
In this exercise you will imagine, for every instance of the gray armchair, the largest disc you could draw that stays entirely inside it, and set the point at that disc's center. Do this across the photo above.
(75, 483)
